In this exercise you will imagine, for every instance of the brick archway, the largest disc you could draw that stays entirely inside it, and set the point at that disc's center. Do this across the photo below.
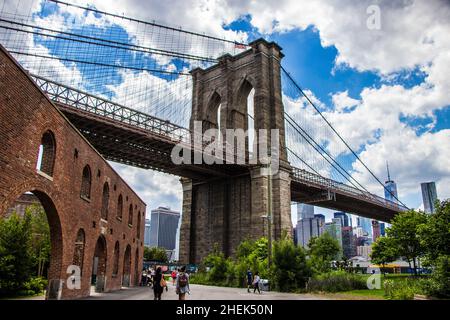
(56, 238)
(137, 270)
(126, 267)
(99, 264)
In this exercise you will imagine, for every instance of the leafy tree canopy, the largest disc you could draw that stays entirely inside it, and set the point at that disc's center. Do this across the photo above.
(155, 254)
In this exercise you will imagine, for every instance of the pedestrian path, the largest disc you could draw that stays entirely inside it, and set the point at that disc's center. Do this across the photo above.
(201, 292)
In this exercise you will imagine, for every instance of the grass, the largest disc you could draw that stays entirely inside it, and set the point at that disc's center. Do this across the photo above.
(376, 293)
(356, 295)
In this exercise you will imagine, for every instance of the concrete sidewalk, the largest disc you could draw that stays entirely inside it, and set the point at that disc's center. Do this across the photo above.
(201, 292)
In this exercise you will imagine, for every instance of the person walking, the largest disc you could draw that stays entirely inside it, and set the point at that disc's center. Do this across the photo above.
(152, 276)
(174, 276)
(158, 284)
(144, 278)
(182, 284)
(256, 280)
(249, 279)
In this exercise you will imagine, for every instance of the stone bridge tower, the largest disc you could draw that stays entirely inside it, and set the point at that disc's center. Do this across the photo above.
(224, 211)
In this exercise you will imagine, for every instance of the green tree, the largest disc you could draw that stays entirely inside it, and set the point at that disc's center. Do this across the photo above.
(322, 251)
(404, 232)
(218, 265)
(435, 234)
(253, 255)
(15, 256)
(384, 250)
(435, 240)
(155, 254)
(40, 239)
(290, 270)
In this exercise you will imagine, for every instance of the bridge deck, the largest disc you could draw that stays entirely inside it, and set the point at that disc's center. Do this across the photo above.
(134, 138)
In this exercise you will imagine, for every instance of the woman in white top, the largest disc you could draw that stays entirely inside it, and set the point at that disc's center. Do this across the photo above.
(256, 283)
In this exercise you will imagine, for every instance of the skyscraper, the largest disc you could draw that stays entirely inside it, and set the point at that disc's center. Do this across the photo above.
(366, 225)
(304, 211)
(346, 219)
(390, 191)
(163, 228)
(334, 229)
(348, 242)
(147, 233)
(376, 230)
(382, 229)
(429, 196)
(308, 226)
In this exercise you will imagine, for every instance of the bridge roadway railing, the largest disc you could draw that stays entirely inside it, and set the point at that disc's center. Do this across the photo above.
(96, 105)
(93, 104)
(309, 178)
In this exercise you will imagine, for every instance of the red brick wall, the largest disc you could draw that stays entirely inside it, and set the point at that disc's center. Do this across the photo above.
(25, 115)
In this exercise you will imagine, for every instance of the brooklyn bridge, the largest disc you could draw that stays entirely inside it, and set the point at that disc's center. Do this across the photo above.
(58, 128)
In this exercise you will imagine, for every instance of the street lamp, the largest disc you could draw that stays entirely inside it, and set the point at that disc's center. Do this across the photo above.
(269, 236)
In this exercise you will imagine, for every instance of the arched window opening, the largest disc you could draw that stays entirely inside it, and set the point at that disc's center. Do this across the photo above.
(219, 123)
(86, 183)
(120, 207)
(214, 112)
(99, 265)
(116, 259)
(126, 267)
(47, 154)
(137, 268)
(130, 215)
(251, 120)
(105, 201)
(78, 255)
(139, 225)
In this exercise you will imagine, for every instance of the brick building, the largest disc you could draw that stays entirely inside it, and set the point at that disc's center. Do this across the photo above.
(96, 220)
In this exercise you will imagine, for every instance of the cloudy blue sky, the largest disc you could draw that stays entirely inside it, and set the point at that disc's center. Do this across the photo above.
(386, 90)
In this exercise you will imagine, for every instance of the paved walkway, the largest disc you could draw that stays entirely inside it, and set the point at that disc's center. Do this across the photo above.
(200, 292)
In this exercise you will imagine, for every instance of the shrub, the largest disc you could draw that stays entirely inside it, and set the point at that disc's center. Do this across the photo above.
(290, 270)
(35, 285)
(218, 265)
(336, 281)
(399, 290)
(199, 278)
(438, 285)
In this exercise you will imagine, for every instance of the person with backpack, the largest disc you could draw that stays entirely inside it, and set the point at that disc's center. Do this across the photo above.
(159, 283)
(249, 279)
(182, 284)
(256, 280)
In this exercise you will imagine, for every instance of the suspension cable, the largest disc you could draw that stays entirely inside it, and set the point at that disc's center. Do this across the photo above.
(339, 136)
(154, 24)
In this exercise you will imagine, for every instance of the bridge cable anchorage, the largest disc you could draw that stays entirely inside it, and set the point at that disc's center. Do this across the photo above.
(337, 134)
(154, 24)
